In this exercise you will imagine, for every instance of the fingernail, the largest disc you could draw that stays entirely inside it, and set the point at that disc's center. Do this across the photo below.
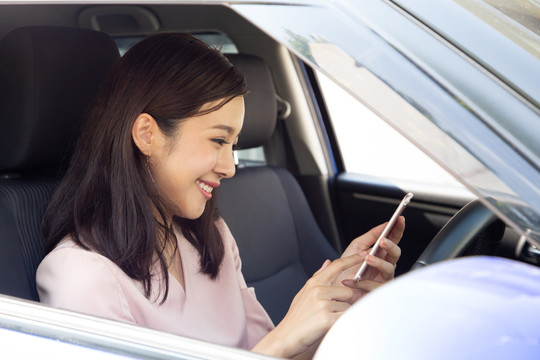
(326, 262)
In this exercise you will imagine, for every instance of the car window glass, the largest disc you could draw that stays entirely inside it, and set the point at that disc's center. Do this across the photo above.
(370, 146)
(443, 97)
(502, 36)
(519, 21)
(218, 40)
(251, 157)
(215, 39)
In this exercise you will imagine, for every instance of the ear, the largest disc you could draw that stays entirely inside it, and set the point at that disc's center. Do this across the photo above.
(143, 133)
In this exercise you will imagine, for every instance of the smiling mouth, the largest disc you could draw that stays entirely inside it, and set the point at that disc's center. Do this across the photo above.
(205, 187)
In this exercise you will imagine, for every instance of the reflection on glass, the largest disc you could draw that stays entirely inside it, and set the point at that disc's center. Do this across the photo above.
(441, 123)
(519, 21)
(300, 44)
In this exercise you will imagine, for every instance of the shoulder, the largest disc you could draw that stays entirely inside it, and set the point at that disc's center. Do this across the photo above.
(227, 237)
(231, 249)
(224, 230)
(70, 260)
(77, 279)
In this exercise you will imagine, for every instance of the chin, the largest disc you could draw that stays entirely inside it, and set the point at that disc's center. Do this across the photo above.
(192, 217)
(191, 214)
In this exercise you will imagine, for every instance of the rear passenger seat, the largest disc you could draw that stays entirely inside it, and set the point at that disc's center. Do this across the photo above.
(48, 78)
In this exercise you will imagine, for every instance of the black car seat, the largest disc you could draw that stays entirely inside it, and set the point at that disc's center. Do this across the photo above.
(280, 243)
(48, 78)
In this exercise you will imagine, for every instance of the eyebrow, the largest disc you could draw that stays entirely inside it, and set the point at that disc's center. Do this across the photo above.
(227, 128)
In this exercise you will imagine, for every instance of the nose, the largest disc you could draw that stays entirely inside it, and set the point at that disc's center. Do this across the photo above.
(225, 165)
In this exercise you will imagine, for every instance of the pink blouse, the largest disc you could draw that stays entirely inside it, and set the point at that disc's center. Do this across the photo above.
(223, 311)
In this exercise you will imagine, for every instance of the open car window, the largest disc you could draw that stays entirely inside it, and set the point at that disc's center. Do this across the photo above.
(458, 103)
(369, 146)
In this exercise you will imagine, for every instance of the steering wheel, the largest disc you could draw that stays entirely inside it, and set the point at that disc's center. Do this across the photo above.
(473, 230)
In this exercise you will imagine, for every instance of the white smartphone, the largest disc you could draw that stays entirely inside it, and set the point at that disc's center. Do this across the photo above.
(362, 273)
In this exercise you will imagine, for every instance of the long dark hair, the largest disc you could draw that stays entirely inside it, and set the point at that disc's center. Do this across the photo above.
(103, 200)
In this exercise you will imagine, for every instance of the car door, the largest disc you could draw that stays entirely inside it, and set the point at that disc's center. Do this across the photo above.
(375, 166)
(370, 165)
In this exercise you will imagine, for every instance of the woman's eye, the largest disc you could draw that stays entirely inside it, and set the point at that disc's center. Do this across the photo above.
(220, 142)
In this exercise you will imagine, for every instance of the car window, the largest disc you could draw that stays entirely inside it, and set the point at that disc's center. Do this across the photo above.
(369, 146)
(250, 157)
(440, 95)
(215, 39)
(506, 42)
(518, 21)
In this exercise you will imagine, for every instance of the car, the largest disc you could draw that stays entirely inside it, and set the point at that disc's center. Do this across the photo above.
(363, 102)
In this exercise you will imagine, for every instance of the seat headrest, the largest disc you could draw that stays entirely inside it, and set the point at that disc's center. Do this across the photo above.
(261, 104)
(48, 78)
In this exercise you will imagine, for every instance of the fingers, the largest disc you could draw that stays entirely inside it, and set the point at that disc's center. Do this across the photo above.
(378, 270)
(339, 294)
(365, 285)
(316, 306)
(386, 269)
(366, 240)
(339, 306)
(329, 272)
(395, 234)
(393, 251)
(385, 258)
(397, 231)
(334, 300)
(324, 266)
(320, 285)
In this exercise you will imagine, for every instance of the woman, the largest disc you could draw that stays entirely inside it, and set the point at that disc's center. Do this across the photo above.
(132, 233)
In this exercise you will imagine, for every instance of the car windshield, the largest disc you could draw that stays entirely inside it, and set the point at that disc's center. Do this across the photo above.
(488, 145)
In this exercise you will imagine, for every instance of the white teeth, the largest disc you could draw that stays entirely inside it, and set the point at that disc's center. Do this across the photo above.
(205, 187)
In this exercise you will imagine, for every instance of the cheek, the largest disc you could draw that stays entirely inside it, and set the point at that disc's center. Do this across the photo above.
(200, 159)
(196, 164)
(184, 168)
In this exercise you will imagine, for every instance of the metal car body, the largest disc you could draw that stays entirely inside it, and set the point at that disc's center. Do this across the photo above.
(459, 79)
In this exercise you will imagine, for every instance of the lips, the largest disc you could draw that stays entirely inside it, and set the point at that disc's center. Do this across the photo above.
(207, 187)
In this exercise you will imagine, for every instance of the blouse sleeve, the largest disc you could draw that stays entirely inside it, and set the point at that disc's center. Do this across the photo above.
(75, 279)
(258, 322)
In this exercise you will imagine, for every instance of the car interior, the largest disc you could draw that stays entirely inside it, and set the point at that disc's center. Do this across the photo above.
(289, 206)
(49, 76)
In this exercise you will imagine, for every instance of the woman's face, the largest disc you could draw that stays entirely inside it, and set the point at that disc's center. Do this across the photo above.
(189, 166)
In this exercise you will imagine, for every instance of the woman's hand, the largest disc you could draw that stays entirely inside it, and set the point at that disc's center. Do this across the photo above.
(381, 269)
(313, 311)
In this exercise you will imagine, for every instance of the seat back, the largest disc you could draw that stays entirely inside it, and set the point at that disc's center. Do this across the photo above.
(280, 243)
(48, 78)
